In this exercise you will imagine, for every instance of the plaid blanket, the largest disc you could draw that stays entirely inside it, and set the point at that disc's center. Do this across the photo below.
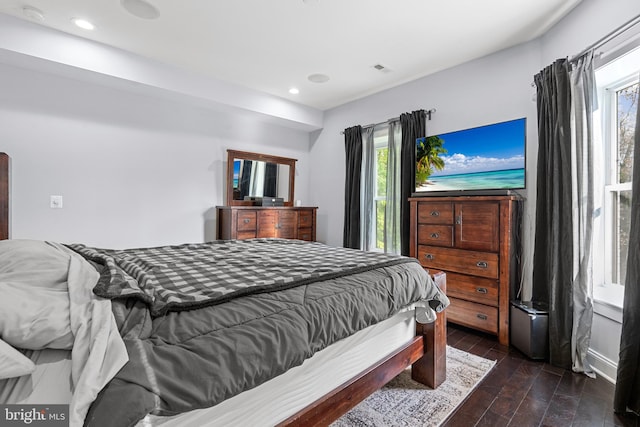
(175, 278)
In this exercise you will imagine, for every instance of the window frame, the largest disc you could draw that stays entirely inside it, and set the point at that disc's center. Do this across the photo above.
(612, 187)
(619, 70)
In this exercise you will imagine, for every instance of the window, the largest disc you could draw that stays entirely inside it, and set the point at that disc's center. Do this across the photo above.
(619, 144)
(380, 195)
(618, 99)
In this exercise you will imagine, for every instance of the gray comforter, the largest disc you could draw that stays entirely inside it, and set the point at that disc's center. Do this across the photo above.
(185, 360)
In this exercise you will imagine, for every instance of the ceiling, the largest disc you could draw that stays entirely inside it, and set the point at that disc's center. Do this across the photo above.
(272, 46)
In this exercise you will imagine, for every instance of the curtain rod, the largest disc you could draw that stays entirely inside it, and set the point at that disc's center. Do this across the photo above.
(613, 34)
(604, 40)
(394, 119)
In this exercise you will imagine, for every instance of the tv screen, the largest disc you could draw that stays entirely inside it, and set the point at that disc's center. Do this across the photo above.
(490, 157)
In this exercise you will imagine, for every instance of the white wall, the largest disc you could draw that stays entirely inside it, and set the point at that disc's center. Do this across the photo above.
(134, 170)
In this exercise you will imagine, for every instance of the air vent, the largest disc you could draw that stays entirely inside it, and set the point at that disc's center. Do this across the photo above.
(382, 68)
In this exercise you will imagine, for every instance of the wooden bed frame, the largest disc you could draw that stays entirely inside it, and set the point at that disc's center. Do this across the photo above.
(4, 196)
(426, 353)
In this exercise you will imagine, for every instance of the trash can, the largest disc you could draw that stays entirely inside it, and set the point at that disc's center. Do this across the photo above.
(529, 328)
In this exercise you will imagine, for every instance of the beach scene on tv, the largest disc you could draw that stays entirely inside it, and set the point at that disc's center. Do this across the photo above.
(482, 158)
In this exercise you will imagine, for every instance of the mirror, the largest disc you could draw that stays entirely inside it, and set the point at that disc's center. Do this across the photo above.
(258, 175)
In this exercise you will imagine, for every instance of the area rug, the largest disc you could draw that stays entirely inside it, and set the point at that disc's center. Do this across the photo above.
(404, 402)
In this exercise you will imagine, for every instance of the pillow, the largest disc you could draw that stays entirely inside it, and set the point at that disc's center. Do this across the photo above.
(13, 363)
(34, 308)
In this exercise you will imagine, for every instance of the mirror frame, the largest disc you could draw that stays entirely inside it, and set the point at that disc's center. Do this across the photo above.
(246, 155)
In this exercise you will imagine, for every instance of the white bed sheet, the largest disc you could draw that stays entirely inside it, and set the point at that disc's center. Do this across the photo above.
(50, 383)
(98, 350)
(285, 395)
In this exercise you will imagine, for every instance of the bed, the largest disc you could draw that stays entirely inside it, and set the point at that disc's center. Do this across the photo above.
(163, 336)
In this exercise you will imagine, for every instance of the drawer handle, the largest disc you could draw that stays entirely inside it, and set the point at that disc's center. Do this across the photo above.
(482, 264)
(481, 316)
(435, 213)
(435, 235)
(430, 257)
(247, 220)
(481, 290)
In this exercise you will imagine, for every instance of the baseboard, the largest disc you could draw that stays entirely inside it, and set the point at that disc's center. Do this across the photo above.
(603, 366)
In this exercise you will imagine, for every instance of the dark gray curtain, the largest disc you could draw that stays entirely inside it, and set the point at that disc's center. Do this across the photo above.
(270, 180)
(627, 394)
(553, 249)
(353, 151)
(245, 179)
(413, 126)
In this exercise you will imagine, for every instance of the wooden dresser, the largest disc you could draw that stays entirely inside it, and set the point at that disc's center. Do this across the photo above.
(475, 241)
(248, 222)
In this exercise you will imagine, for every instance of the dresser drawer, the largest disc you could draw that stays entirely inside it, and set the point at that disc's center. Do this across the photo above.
(472, 314)
(478, 289)
(435, 213)
(305, 234)
(246, 220)
(484, 264)
(305, 219)
(437, 235)
(250, 234)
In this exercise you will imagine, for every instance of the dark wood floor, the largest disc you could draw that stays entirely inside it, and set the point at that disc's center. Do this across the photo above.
(521, 392)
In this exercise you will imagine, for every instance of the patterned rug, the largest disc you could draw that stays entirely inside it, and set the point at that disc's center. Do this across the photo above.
(404, 402)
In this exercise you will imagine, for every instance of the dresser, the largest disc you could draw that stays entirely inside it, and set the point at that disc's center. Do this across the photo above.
(248, 222)
(475, 240)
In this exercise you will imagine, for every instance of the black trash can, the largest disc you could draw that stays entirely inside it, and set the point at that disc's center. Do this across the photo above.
(529, 328)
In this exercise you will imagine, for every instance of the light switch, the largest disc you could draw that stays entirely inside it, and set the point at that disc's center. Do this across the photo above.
(56, 202)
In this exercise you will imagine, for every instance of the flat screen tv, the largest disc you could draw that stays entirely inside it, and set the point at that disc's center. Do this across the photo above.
(490, 157)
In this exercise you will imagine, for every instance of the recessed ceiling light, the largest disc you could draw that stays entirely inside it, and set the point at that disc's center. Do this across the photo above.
(294, 91)
(318, 78)
(83, 23)
(33, 13)
(141, 9)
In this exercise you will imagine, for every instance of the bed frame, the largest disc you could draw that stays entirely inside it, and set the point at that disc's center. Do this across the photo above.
(4, 196)
(426, 353)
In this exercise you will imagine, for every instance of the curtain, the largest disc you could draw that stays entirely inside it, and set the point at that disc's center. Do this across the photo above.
(627, 394)
(367, 239)
(413, 126)
(245, 179)
(271, 180)
(353, 151)
(393, 201)
(553, 249)
(562, 274)
(584, 102)
(256, 187)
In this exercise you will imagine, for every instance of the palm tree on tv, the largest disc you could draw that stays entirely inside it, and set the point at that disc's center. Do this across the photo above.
(428, 157)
